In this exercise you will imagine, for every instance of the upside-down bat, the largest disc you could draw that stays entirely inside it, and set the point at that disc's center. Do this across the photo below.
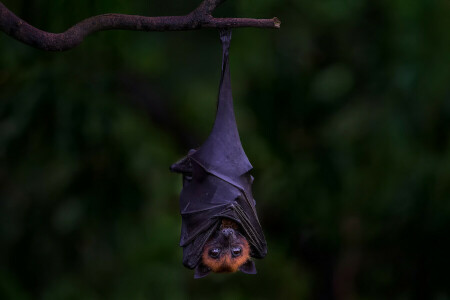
(220, 228)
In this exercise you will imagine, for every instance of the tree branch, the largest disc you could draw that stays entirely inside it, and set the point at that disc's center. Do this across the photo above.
(199, 18)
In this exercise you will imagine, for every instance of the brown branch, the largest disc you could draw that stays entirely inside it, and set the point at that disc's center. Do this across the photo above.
(199, 18)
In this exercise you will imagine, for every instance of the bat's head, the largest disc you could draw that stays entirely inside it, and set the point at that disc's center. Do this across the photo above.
(227, 251)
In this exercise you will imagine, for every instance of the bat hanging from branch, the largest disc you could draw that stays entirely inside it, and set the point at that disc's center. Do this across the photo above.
(201, 17)
(220, 228)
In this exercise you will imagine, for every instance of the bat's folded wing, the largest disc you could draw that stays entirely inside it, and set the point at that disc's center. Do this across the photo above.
(203, 202)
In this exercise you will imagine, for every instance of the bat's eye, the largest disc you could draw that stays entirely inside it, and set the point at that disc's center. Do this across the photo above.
(236, 251)
(214, 252)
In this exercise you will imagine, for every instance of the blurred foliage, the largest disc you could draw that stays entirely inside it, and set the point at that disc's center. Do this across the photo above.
(344, 113)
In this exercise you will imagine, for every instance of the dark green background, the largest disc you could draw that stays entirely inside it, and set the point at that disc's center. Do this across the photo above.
(344, 113)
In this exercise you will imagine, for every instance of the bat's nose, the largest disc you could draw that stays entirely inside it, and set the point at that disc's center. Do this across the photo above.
(227, 232)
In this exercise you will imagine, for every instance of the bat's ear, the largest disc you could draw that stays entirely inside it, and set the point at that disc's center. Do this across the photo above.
(201, 271)
(248, 268)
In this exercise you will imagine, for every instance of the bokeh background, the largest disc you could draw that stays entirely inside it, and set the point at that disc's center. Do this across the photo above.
(344, 113)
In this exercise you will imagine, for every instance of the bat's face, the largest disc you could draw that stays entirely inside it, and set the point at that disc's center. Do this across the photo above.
(227, 251)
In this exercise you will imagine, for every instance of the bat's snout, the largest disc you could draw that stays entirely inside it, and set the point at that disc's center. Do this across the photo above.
(228, 232)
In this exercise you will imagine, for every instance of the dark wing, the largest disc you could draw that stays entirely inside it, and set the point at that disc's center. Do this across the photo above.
(222, 153)
(243, 211)
(204, 200)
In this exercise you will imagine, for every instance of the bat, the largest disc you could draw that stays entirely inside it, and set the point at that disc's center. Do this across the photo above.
(220, 230)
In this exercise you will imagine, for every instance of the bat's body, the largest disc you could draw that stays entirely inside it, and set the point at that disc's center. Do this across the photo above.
(216, 203)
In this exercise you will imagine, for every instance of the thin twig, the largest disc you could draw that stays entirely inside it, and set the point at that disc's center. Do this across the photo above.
(199, 18)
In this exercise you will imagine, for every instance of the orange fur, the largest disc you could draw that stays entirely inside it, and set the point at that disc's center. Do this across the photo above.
(226, 263)
(227, 223)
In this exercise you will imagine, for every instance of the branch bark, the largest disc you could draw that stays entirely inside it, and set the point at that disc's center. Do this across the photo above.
(201, 17)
